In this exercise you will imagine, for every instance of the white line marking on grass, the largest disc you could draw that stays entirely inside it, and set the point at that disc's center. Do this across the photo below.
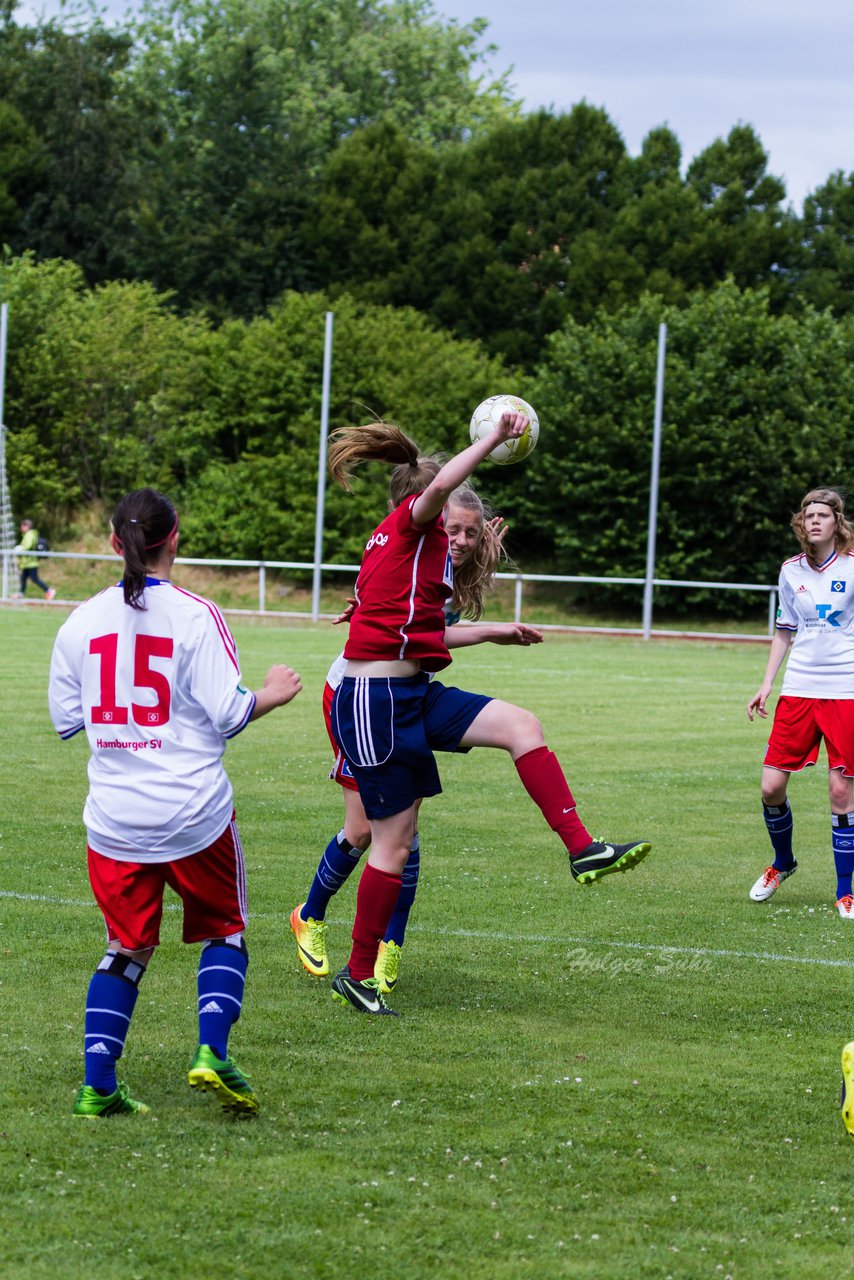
(43, 897)
(492, 936)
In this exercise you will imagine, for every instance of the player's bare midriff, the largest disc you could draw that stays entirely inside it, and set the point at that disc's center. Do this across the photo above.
(382, 670)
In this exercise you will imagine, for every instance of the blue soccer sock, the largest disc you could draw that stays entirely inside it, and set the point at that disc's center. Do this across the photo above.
(843, 851)
(340, 859)
(779, 821)
(400, 916)
(221, 980)
(109, 1007)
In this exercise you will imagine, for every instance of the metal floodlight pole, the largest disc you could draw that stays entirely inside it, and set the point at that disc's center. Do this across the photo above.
(321, 469)
(4, 327)
(653, 484)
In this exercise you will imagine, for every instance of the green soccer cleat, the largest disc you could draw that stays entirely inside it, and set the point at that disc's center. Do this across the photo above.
(387, 967)
(223, 1078)
(311, 942)
(365, 996)
(92, 1104)
(848, 1088)
(601, 859)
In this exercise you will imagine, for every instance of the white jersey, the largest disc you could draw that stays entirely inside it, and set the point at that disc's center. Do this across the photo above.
(818, 606)
(158, 692)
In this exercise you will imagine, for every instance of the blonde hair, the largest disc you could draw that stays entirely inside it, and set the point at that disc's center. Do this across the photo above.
(843, 535)
(385, 442)
(476, 575)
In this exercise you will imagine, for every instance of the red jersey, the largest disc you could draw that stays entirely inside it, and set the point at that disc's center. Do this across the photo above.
(405, 578)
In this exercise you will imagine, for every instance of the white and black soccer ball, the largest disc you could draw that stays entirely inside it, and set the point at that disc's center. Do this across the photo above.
(486, 418)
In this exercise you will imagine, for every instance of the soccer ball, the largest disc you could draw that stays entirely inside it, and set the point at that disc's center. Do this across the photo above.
(486, 418)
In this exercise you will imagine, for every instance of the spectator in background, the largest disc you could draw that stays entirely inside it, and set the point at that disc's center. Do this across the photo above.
(28, 564)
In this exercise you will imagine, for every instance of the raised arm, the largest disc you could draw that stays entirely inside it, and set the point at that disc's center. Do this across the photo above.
(457, 469)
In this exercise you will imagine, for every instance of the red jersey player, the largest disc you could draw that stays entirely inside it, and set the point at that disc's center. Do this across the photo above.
(475, 542)
(389, 717)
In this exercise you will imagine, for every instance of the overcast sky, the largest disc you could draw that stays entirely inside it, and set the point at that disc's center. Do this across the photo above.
(784, 66)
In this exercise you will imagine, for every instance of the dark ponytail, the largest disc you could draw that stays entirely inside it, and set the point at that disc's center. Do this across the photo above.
(142, 522)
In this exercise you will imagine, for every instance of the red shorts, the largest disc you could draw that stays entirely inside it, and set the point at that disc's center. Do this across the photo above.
(340, 771)
(211, 885)
(799, 726)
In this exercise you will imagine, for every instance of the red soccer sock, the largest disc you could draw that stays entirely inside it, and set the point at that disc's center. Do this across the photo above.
(376, 899)
(542, 778)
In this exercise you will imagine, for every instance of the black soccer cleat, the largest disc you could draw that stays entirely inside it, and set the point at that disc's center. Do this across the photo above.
(364, 996)
(602, 858)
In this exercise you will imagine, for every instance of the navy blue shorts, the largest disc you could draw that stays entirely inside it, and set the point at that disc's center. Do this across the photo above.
(388, 728)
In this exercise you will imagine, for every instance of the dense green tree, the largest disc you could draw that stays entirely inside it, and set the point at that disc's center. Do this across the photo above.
(251, 98)
(102, 390)
(265, 394)
(828, 275)
(372, 228)
(757, 408)
(481, 236)
(749, 235)
(79, 145)
(19, 168)
(108, 389)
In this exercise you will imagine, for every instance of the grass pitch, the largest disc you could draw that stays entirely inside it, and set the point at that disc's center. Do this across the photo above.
(639, 1079)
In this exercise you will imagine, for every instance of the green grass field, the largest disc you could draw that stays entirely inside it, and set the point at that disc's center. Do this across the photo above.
(639, 1079)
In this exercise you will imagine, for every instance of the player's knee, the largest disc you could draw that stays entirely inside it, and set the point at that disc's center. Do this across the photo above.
(525, 732)
(234, 940)
(130, 966)
(841, 792)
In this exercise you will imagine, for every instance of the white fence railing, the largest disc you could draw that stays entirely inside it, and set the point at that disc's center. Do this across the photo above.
(519, 579)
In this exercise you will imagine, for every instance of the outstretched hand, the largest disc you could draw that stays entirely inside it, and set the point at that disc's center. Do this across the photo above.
(498, 527)
(517, 633)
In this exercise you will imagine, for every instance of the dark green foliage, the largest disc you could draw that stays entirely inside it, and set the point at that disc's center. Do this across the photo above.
(546, 218)
(108, 389)
(828, 275)
(249, 100)
(757, 409)
(77, 143)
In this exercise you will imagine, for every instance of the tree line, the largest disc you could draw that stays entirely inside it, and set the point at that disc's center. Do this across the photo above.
(228, 150)
(108, 387)
(182, 200)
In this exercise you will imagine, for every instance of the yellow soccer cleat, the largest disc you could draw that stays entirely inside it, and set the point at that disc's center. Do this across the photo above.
(848, 1087)
(311, 942)
(387, 967)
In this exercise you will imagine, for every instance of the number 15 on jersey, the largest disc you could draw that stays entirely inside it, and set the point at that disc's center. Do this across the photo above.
(145, 648)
